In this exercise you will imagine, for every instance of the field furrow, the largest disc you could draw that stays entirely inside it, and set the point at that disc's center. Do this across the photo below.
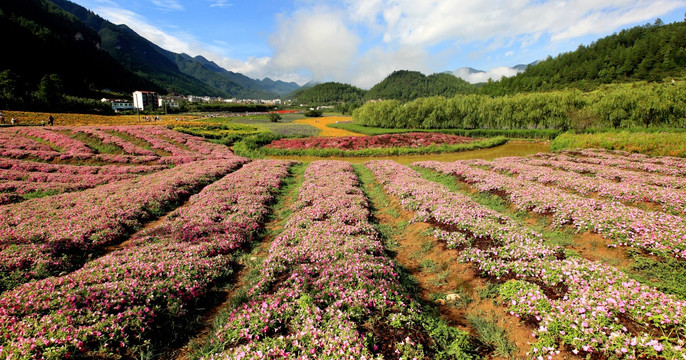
(328, 290)
(651, 231)
(590, 308)
(124, 304)
(671, 200)
(47, 236)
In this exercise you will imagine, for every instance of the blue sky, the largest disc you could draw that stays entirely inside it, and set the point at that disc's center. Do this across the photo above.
(362, 41)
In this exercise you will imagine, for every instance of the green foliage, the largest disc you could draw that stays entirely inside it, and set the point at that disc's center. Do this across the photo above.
(274, 117)
(651, 143)
(509, 133)
(409, 85)
(329, 93)
(649, 52)
(491, 334)
(224, 133)
(618, 106)
(314, 113)
(249, 145)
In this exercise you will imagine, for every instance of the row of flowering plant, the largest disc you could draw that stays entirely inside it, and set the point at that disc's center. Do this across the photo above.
(116, 305)
(671, 199)
(590, 308)
(653, 231)
(326, 274)
(665, 166)
(46, 236)
(670, 161)
(55, 144)
(364, 142)
(568, 163)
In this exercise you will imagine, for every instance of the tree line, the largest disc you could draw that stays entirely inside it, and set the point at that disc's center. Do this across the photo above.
(651, 52)
(612, 106)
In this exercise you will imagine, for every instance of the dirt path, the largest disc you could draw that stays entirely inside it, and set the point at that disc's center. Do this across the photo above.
(240, 281)
(456, 289)
(149, 225)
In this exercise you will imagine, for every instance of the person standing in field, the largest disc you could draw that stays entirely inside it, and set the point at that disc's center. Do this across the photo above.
(50, 120)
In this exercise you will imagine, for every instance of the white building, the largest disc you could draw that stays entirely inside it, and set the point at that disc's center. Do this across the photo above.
(167, 103)
(145, 100)
(119, 104)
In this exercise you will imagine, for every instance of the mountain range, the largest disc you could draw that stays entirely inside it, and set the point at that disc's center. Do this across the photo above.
(110, 56)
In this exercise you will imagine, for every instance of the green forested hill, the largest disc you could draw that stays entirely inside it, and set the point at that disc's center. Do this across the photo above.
(329, 93)
(406, 85)
(650, 52)
(48, 52)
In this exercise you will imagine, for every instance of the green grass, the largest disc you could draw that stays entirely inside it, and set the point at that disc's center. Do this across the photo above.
(393, 151)
(657, 143)
(96, 144)
(509, 133)
(491, 334)
(40, 194)
(288, 193)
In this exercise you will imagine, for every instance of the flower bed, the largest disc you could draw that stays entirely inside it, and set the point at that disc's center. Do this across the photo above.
(628, 226)
(46, 236)
(568, 163)
(673, 200)
(53, 144)
(590, 308)
(666, 167)
(116, 304)
(412, 140)
(325, 275)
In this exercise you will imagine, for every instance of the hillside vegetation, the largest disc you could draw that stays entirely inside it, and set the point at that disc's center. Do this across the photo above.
(649, 52)
(329, 93)
(51, 53)
(570, 91)
(613, 106)
(406, 85)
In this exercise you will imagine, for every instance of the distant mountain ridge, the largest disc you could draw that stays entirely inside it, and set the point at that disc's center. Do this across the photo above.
(475, 76)
(178, 73)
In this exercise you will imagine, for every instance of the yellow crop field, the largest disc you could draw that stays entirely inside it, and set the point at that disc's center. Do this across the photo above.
(25, 118)
(322, 122)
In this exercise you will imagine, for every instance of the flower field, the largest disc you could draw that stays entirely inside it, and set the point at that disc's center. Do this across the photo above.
(363, 142)
(322, 122)
(35, 118)
(123, 242)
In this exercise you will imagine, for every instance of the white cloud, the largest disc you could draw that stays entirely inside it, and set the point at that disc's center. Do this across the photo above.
(425, 23)
(377, 63)
(495, 74)
(220, 3)
(168, 5)
(314, 40)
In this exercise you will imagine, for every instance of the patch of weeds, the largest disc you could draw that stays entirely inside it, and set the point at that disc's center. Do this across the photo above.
(488, 292)
(440, 279)
(491, 334)
(427, 245)
(393, 212)
(429, 266)
(667, 274)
